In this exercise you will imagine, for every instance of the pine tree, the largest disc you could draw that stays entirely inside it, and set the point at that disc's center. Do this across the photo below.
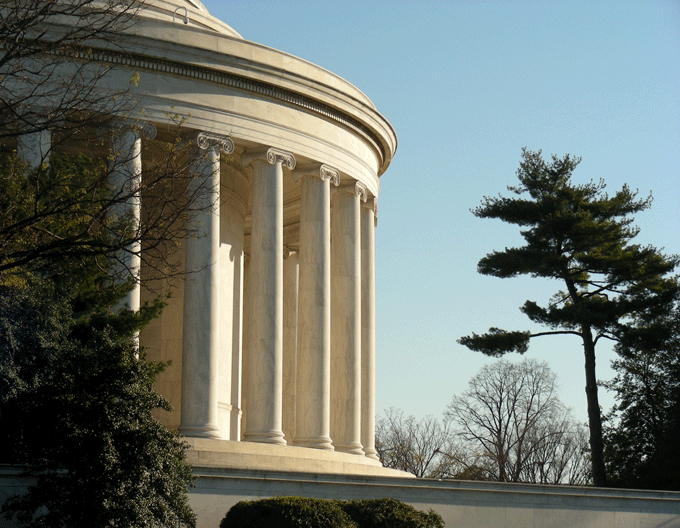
(641, 440)
(579, 235)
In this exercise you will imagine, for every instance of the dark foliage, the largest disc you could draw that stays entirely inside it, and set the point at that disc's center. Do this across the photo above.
(297, 512)
(641, 440)
(75, 404)
(287, 512)
(390, 513)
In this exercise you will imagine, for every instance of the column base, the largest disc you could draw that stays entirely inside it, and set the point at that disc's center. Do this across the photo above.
(352, 449)
(371, 453)
(275, 438)
(200, 431)
(321, 442)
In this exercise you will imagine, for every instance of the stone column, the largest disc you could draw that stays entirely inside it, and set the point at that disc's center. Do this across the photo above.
(265, 361)
(234, 191)
(368, 219)
(346, 318)
(201, 310)
(125, 173)
(291, 265)
(314, 310)
(34, 148)
(245, 354)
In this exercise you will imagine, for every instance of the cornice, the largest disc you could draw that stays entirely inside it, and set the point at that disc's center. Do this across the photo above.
(143, 62)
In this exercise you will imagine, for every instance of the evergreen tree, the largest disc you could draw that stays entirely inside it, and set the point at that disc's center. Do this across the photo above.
(641, 441)
(579, 235)
(76, 393)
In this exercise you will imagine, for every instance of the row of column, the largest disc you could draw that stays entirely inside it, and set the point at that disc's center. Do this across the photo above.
(329, 338)
(334, 389)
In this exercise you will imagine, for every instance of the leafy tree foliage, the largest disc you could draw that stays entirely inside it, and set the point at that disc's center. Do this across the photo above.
(65, 214)
(580, 236)
(641, 441)
(515, 427)
(52, 82)
(76, 394)
(76, 402)
(298, 512)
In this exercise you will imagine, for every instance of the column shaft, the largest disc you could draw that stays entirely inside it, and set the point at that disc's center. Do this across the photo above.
(291, 266)
(346, 320)
(245, 374)
(200, 338)
(265, 361)
(368, 329)
(314, 312)
(34, 148)
(230, 291)
(125, 177)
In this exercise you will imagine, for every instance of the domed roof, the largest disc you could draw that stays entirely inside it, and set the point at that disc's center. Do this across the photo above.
(188, 12)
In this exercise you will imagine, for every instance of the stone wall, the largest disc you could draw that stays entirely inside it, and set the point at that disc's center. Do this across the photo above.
(462, 504)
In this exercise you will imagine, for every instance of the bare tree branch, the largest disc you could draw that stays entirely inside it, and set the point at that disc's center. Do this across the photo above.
(510, 417)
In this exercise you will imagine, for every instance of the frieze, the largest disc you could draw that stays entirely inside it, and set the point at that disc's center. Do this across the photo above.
(235, 81)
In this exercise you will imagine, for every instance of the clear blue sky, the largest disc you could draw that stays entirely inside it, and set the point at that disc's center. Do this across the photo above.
(466, 85)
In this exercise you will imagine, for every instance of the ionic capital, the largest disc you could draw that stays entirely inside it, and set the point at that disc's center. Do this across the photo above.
(142, 129)
(356, 188)
(323, 171)
(147, 130)
(372, 204)
(271, 155)
(206, 140)
(289, 251)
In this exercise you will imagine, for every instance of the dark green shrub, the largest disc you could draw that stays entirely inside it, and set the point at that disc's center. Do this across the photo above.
(390, 513)
(295, 512)
(287, 512)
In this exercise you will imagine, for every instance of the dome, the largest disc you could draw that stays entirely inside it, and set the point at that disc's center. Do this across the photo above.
(189, 12)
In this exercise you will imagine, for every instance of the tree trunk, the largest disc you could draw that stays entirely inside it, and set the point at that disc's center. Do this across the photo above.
(594, 417)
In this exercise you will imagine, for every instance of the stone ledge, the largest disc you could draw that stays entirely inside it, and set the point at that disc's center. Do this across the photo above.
(225, 454)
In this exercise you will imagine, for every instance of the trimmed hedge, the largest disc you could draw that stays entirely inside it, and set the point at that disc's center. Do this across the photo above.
(301, 512)
(287, 512)
(390, 513)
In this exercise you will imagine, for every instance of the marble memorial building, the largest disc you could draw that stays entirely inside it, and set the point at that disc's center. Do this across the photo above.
(271, 333)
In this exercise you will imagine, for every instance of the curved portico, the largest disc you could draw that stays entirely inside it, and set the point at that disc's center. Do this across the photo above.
(271, 331)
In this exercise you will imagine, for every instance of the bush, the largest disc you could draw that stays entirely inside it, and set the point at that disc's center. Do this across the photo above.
(297, 512)
(287, 512)
(390, 513)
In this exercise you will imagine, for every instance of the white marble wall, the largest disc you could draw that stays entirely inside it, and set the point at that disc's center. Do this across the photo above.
(462, 504)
